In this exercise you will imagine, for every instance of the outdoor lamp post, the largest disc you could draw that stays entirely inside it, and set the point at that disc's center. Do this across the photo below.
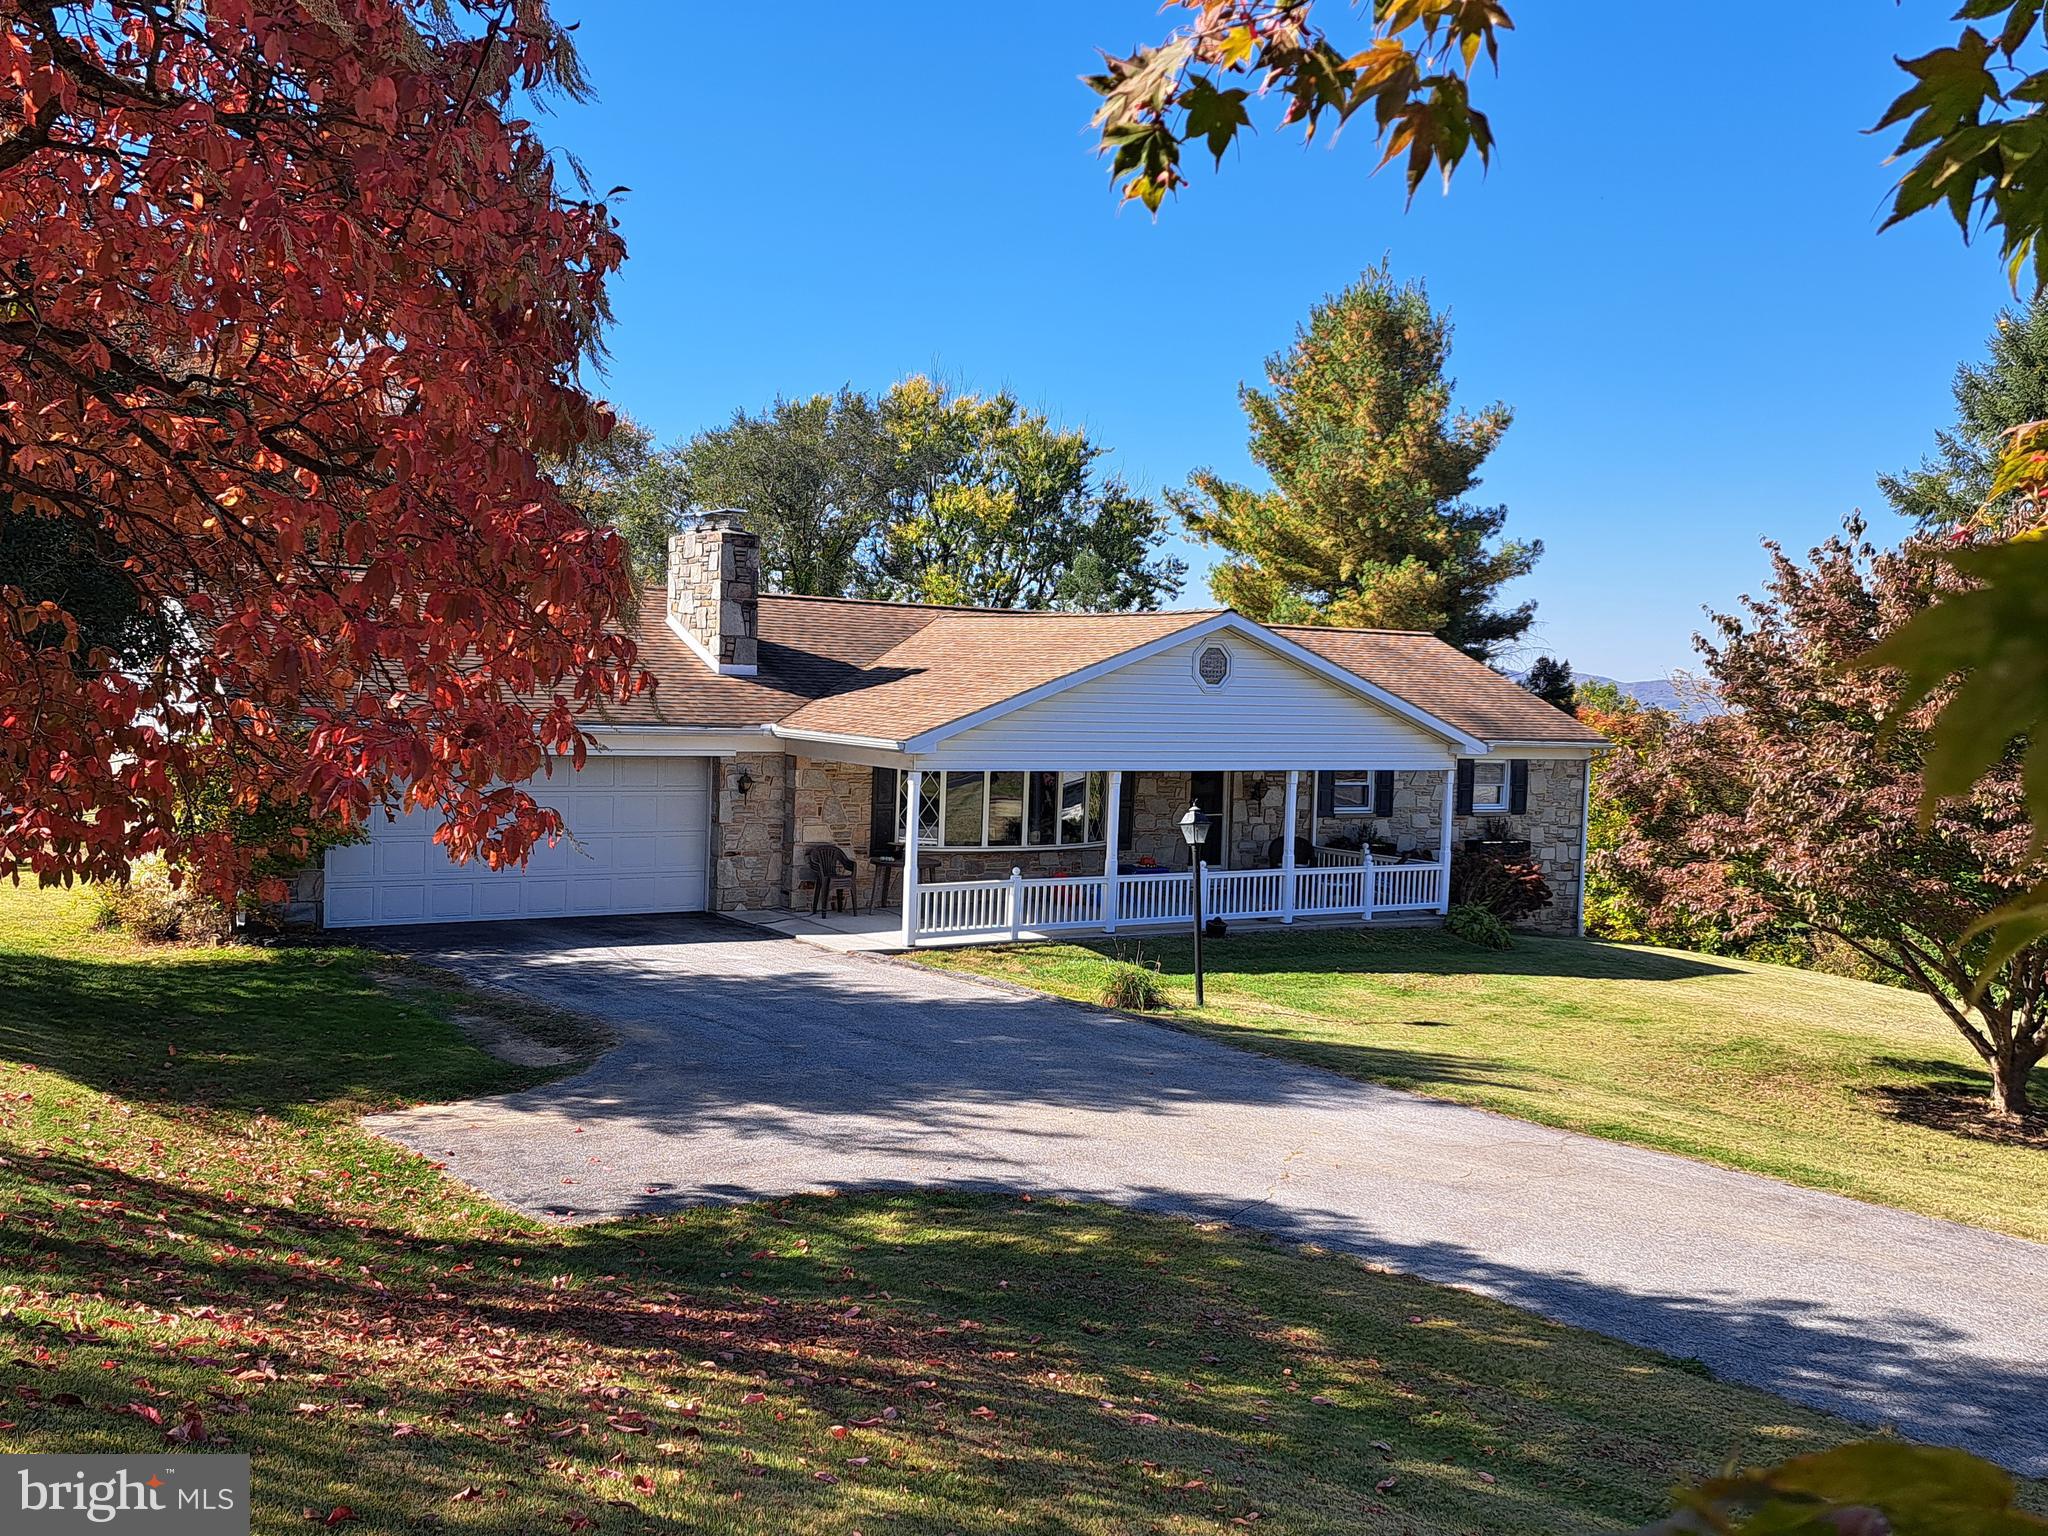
(1195, 828)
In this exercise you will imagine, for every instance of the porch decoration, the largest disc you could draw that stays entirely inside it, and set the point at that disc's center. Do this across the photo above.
(1194, 826)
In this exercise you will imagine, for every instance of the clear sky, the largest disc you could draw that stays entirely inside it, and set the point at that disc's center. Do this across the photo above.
(1672, 272)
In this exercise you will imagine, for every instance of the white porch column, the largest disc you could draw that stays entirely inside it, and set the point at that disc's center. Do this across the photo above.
(1113, 813)
(1443, 846)
(913, 806)
(1287, 848)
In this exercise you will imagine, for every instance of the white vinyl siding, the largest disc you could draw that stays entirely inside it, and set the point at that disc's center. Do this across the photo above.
(639, 842)
(1154, 713)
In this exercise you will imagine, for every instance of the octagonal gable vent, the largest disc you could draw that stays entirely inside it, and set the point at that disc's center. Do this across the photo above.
(1212, 666)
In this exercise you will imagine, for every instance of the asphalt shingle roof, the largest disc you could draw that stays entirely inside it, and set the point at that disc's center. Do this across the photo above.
(892, 671)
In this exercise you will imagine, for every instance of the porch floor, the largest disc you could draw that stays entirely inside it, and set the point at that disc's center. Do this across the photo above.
(881, 932)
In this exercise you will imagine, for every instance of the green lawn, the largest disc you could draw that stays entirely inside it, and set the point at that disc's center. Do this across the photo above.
(1835, 1084)
(193, 1232)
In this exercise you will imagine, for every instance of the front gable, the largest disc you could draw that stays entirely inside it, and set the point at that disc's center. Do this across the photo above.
(1231, 696)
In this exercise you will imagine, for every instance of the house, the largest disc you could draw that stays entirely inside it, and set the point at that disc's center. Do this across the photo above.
(1049, 758)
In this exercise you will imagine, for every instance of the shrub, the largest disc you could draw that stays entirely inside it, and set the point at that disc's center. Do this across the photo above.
(1510, 891)
(1478, 925)
(1135, 987)
(149, 907)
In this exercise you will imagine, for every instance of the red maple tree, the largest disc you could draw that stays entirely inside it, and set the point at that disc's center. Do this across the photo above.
(1799, 806)
(291, 306)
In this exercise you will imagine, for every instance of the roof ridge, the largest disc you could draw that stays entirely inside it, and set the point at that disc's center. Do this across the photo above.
(1355, 629)
(1000, 613)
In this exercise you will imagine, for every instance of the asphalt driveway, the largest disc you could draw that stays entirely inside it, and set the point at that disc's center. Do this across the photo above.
(754, 1066)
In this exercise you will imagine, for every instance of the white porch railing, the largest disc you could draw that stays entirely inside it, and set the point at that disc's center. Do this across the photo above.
(1017, 906)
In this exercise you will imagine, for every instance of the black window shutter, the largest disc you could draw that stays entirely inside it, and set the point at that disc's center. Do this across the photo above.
(882, 810)
(1383, 792)
(1464, 786)
(1326, 794)
(1127, 812)
(1518, 787)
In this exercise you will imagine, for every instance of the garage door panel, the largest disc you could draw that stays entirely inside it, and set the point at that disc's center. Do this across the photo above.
(401, 858)
(401, 903)
(498, 898)
(639, 842)
(452, 902)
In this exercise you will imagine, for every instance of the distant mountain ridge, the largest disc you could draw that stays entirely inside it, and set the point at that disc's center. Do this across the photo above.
(1652, 693)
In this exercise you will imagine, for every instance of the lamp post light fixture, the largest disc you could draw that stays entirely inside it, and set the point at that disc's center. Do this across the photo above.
(1195, 828)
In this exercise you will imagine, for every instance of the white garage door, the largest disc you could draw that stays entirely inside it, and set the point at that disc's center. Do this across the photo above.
(639, 841)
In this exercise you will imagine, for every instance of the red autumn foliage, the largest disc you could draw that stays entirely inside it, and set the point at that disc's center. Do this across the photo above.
(1800, 806)
(290, 306)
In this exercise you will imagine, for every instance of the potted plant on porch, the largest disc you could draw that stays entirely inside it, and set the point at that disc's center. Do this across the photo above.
(1497, 837)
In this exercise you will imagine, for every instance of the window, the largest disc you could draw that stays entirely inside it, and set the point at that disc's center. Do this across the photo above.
(1006, 809)
(1352, 792)
(1489, 787)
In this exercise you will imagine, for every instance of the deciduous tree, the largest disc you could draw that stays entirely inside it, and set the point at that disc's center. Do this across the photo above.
(290, 306)
(991, 504)
(813, 477)
(625, 481)
(1801, 806)
(1367, 522)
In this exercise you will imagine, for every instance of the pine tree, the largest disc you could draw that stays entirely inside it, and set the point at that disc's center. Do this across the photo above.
(1366, 524)
(1550, 679)
(1951, 488)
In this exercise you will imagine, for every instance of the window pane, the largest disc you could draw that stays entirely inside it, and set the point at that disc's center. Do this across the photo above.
(928, 810)
(1073, 807)
(965, 796)
(1045, 808)
(1098, 794)
(1005, 809)
(1352, 791)
(1489, 785)
(902, 799)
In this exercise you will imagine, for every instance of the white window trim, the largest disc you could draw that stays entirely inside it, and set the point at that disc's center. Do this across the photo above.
(1497, 807)
(1371, 781)
(939, 775)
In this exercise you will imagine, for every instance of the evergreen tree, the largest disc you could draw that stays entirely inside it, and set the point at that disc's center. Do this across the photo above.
(1951, 487)
(1367, 522)
(1551, 681)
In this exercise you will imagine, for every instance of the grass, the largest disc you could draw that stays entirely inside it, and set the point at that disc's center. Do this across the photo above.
(1834, 1084)
(196, 1241)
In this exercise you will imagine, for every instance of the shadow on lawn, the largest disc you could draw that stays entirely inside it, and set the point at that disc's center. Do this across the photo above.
(239, 1029)
(689, 1287)
(1954, 1098)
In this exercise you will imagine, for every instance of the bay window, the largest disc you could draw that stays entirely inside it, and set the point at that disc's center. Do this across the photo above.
(1005, 809)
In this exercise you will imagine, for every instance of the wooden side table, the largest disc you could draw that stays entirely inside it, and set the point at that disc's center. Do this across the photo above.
(884, 879)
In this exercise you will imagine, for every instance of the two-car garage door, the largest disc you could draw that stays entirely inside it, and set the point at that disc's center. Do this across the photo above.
(639, 841)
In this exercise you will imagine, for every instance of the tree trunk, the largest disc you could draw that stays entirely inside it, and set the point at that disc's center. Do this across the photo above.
(2009, 1070)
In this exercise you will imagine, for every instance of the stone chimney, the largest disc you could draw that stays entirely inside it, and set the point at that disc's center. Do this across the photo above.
(714, 591)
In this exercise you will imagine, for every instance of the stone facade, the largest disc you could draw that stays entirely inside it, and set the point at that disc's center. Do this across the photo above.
(794, 800)
(829, 802)
(1556, 829)
(1553, 826)
(714, 589)
(749, 832)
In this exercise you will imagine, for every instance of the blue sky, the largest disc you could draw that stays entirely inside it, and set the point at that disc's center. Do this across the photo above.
(1672, 272)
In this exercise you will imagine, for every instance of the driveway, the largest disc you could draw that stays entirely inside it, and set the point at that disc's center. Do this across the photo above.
(754, 1066)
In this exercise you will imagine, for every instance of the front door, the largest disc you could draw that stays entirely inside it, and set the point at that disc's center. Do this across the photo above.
(1207, 790)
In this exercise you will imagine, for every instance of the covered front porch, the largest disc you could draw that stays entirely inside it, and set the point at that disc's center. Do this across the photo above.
(999, 855)
(1296, 875)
